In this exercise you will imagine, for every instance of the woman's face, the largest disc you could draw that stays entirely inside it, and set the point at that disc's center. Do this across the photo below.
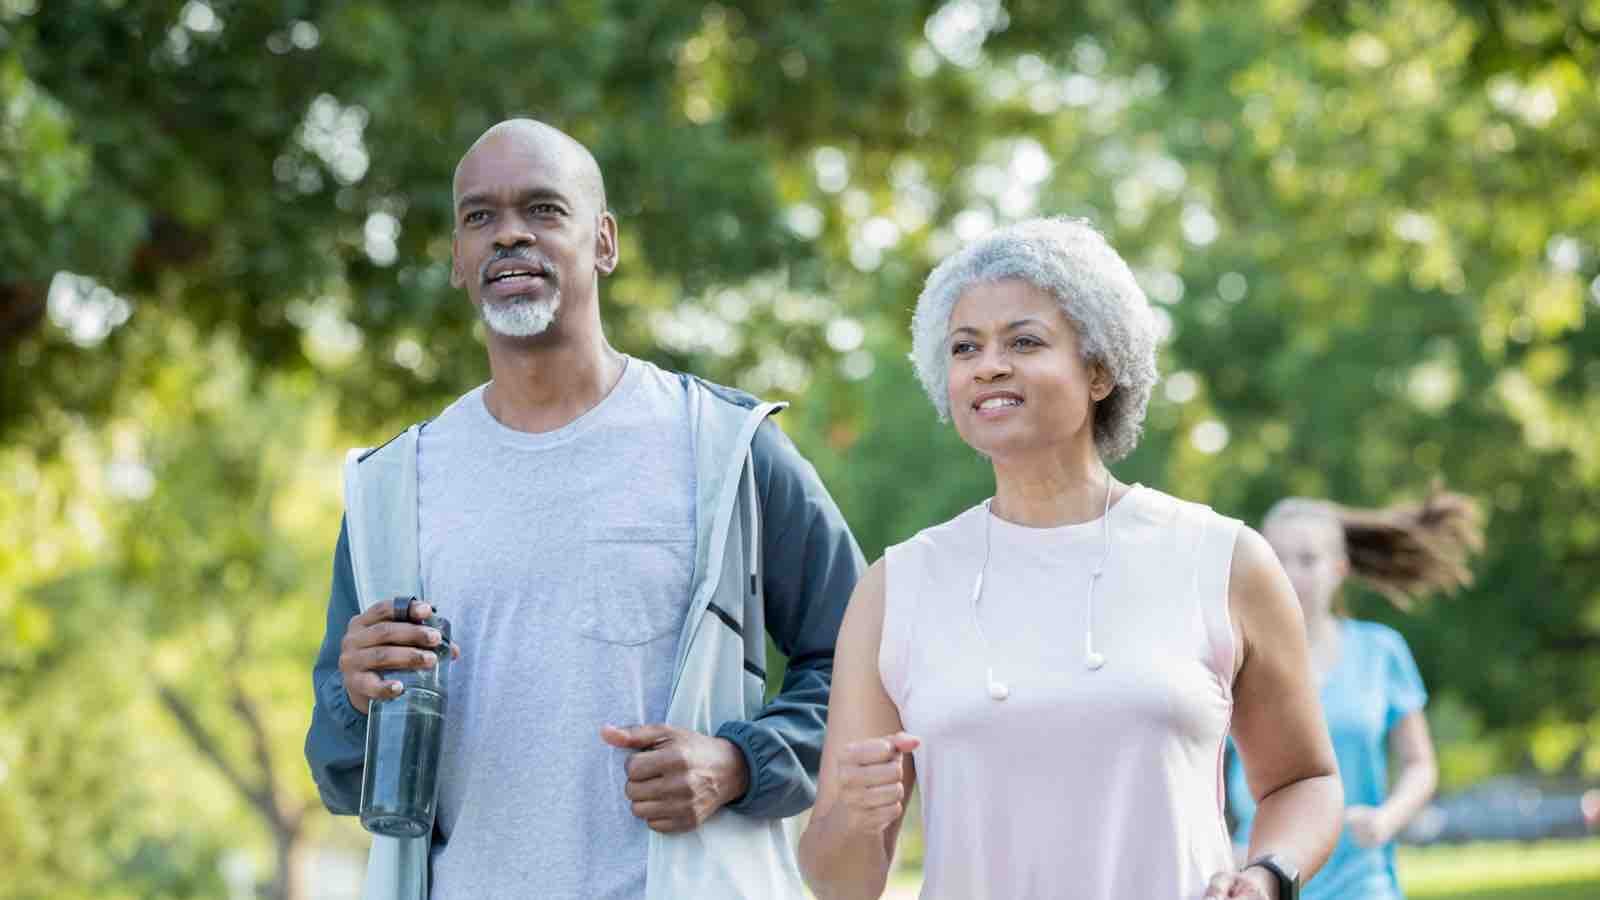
(1313, 556)
(1018, 382)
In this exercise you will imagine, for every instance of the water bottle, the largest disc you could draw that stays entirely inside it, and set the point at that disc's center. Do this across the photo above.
(400, 776)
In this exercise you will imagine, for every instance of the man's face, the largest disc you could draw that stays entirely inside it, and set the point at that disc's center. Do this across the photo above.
(530, 231)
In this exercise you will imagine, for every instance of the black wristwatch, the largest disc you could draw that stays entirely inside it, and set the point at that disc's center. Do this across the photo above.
(1284, 871)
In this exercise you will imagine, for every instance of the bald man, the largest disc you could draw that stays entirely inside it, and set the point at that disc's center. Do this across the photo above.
(612, 543)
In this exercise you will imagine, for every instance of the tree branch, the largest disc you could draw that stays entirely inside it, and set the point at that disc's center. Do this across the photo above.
(281, 814)
(1572, 643)
(208, 746)
(22, 307)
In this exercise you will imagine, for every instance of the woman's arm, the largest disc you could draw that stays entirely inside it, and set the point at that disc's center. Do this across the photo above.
(1416, 776)
(1277, 719)
(866, 772)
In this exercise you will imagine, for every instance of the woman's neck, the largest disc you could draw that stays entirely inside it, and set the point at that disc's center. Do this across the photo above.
(1321, 627)
(1063, 490)
(1322, 639)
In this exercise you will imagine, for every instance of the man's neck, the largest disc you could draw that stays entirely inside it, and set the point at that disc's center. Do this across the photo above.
(541, 387)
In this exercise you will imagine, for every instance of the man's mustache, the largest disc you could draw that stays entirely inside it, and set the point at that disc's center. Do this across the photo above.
(541, 264)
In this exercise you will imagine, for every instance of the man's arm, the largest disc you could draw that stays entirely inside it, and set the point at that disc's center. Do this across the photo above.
(336, 742)
(811, 564)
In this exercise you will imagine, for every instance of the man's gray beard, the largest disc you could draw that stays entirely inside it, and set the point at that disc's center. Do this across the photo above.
(520, 317)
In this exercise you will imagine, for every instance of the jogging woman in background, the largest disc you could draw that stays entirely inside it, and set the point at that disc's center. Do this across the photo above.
(1372, 696)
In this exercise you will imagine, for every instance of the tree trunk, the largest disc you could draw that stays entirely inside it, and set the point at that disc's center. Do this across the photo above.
(22, 307)
(289, 869)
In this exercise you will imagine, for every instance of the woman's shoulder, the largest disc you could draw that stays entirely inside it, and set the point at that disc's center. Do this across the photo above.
(1159, 509)
(1376, 635)
(1156, 504)
(953, 532)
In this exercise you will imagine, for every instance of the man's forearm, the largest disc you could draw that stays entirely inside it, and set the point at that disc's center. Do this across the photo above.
(335, 742)
(335, 745)
(782, 746)
(811, 566)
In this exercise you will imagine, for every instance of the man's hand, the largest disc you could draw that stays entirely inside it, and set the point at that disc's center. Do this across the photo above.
(374, 643)
(678, 778)
(1369, 827)
(1252, 883)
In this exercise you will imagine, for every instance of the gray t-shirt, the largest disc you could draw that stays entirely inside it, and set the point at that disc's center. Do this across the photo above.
(563, 561)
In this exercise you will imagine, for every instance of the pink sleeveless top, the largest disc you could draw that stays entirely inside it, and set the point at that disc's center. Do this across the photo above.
(1100, 785)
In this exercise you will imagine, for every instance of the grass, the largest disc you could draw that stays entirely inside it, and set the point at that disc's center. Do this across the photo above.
(1548, 870)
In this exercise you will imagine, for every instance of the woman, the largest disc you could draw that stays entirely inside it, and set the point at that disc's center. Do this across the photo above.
(1372, 695)
(1057, 667)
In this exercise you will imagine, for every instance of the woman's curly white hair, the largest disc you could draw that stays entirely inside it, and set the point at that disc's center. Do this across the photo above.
(1071, 261)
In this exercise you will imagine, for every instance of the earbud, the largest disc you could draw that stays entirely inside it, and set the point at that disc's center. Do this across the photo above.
(1092, 658)
(998, 690)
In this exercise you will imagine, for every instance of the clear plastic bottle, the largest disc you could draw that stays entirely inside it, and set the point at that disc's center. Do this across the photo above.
(400, 775)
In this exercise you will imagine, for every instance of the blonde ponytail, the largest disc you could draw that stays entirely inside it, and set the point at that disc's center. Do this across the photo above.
(1407, 551)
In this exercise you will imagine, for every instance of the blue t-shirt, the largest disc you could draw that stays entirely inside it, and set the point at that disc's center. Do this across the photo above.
(1372, 687)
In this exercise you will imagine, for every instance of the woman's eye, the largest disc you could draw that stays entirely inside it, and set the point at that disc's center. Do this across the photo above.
(960, 347)
(1027, 343)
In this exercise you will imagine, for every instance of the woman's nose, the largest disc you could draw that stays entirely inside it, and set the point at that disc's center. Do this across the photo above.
(993, 364)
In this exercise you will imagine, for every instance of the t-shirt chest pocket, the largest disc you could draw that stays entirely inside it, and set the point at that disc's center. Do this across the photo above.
(635, 583)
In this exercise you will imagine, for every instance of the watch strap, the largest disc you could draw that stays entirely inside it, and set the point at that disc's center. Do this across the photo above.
(1288, 877)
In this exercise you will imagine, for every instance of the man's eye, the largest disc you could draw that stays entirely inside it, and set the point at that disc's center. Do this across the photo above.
(476, 216)
(545, 209)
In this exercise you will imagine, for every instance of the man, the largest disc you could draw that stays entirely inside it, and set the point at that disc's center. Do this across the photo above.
(610, 542)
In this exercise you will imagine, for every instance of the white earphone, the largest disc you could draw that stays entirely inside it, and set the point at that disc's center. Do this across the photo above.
(998, 690)
(1093, 660)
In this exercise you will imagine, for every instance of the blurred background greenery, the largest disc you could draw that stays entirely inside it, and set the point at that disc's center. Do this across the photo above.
(1370, 230)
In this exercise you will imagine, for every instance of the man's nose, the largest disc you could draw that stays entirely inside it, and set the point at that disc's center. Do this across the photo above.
(513, 232)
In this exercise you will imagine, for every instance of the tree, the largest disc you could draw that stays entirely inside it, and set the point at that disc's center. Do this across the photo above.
(1370, 227)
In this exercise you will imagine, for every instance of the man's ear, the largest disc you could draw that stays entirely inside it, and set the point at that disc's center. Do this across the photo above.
(606, 254)
(457, 279)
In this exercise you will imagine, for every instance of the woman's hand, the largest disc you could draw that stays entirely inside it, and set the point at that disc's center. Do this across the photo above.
(1254, 883)
(872, 781)
(1368, 826)
(865, 776)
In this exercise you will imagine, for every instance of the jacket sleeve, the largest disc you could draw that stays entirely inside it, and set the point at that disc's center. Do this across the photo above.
(811, 564)
(336, 742)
